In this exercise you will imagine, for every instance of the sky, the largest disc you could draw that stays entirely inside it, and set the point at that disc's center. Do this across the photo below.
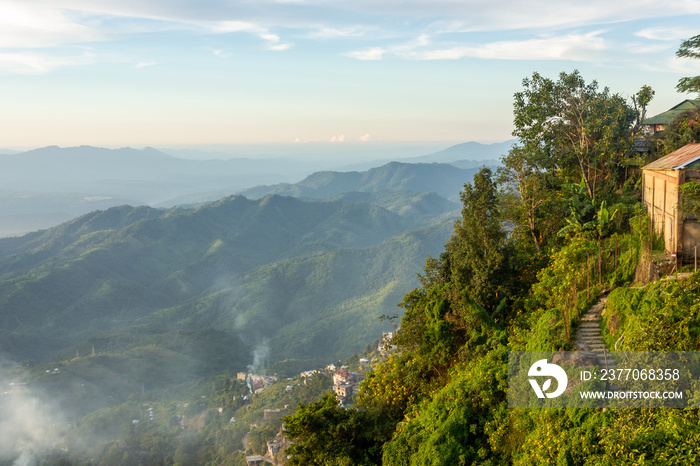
(185, 73)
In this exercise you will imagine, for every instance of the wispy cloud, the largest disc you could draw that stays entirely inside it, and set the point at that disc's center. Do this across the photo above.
(679, 66)
(449, 34)
(45, 27)
(667, 33)
(374, 53)
(562, 47)
(221, 53)
(477, 15)
(570, 47)
(272, 39)
(144, 64)
(37, 63)
(324, 32)
(22, 25)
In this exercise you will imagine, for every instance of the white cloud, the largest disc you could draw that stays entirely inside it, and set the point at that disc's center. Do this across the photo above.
(365, 138)
(375, 53)
(235, 26)
(221, 53)
(667, 33)
(563, 47)
(37, 63)
(328, 32)
(570, 47)
(144, 64)
(279, 47)
(56, 23)
(22, 26)
(340, 138)
(478, 15)
(272, 39)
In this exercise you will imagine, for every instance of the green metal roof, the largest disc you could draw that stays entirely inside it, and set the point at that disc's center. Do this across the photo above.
(667, 117)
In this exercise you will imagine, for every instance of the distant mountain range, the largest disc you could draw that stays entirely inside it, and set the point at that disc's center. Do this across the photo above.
(44, 187)
(443, 179)
(465, 152)
(145, 174)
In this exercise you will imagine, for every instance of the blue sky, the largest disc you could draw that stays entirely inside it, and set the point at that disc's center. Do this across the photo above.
(185, 72)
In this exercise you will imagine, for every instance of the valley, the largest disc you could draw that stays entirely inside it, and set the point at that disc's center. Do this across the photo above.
(122, 306)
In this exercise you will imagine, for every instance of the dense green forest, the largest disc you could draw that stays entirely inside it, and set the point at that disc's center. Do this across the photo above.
(539, 240)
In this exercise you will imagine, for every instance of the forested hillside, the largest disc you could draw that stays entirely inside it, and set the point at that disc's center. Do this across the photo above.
(156, 303)
(237, 265)
(539, 241)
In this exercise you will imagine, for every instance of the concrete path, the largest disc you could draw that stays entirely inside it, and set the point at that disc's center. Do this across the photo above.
(589, 336)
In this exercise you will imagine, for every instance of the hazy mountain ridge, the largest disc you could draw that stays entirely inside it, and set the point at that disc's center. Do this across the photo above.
(466, 152)
(43, 187)
(443, 179)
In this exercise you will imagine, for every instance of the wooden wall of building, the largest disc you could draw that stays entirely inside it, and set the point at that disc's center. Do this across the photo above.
(660, 198)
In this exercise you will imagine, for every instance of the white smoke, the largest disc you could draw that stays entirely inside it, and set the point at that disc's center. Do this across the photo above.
(261, 354)
(25, 459)
(29, 427)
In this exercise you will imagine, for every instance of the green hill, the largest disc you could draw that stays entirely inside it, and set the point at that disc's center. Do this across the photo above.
(251, 267)
(443, 179)
(414, 205)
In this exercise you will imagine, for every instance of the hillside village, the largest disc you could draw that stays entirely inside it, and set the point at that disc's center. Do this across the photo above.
(345, 384)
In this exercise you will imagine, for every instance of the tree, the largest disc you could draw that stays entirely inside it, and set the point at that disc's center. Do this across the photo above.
(525, 191)
(576, 130)
(689, 48)
(477, 247)
(640, 100)
(325, 434)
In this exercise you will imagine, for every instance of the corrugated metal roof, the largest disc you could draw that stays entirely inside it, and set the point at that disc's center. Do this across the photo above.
(677, 159)
(667, 117)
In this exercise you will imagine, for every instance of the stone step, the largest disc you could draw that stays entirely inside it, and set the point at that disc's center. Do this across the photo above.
(589, 335)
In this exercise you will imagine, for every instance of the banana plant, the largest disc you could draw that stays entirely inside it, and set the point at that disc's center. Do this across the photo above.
(587, 215)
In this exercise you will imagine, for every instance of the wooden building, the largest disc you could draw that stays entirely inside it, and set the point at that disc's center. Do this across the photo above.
(662, 120)
(661, 196)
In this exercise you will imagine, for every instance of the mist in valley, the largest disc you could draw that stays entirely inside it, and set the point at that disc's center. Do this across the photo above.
(156, 281)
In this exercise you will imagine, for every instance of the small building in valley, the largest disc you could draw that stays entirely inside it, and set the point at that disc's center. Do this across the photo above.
(270, 414)
(661, 196)
(254, 460)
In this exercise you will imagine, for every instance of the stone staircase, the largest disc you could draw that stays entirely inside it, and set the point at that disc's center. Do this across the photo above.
(589, 336)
